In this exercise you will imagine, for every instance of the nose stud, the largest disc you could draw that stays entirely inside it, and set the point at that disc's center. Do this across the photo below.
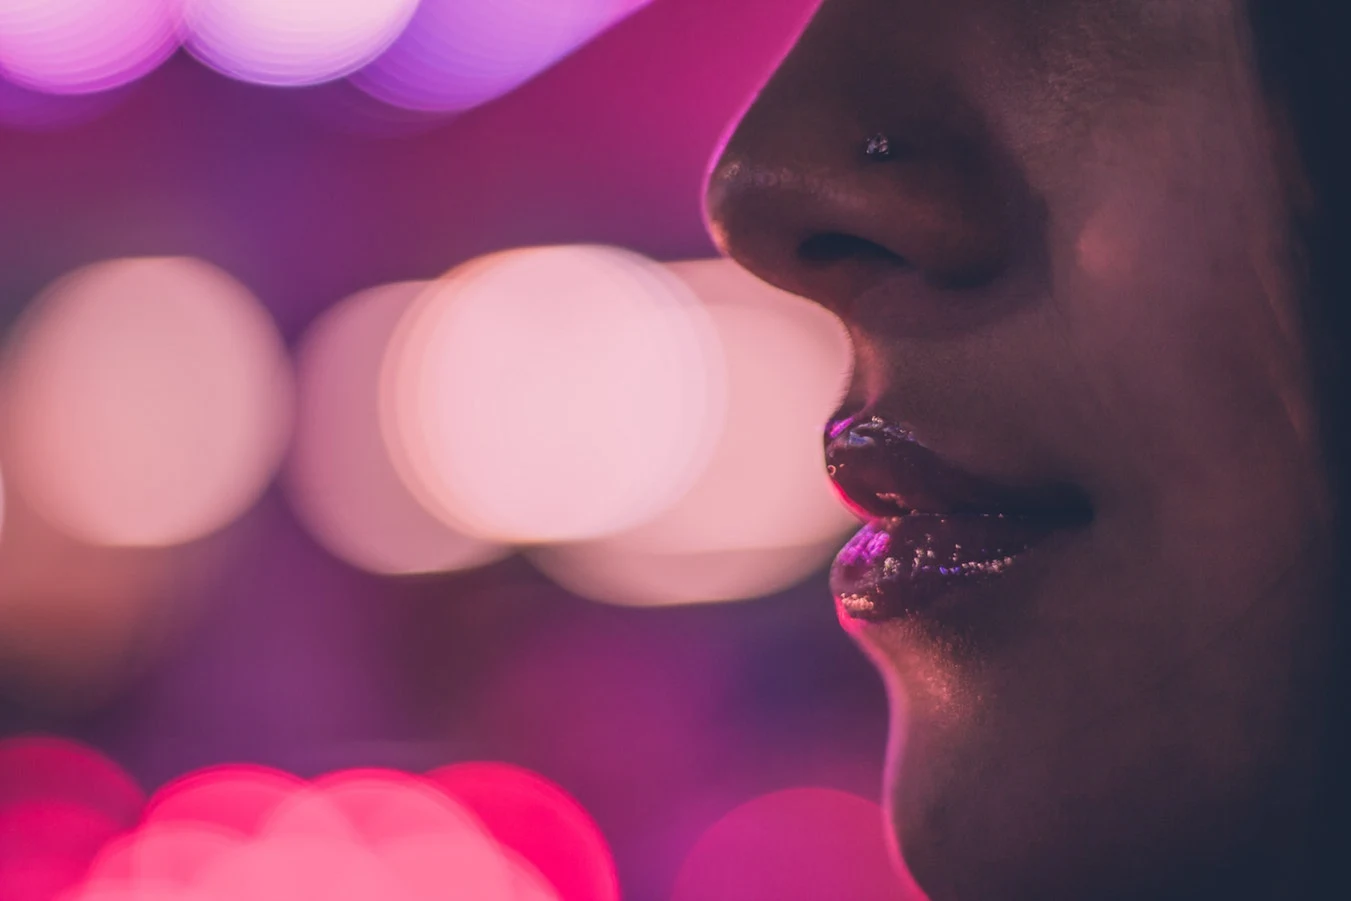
(878, 147)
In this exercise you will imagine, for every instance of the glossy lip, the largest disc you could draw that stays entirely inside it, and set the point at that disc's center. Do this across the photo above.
(932, 528)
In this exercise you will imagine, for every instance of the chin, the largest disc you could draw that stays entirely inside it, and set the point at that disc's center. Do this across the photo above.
(991, 798)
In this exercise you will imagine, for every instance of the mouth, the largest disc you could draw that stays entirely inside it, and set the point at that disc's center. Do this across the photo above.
(931, 528)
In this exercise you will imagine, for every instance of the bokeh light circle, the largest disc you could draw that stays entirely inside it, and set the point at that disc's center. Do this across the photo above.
(799, 844)
(40, 767)
(340, 479)
(762, 515)
(60, 803)
(236, 797)
(148, 402)
(241, 833)
(167, 857)
(458, 54)
(292, 42)
(46, 847)
(551, 394)
(539, 821)
(83, 46)
(77, 620)
(617, 572)
(486, 831)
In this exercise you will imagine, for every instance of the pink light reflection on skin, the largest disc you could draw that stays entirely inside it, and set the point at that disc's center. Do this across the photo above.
(148, 402)
(85, 46)
(541, 822)
(800, 844)
(340, 479)
(458, 54)
(292, 42)
(762, 516)
(552, 393)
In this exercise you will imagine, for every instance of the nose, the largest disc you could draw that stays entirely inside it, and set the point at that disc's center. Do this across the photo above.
(797, 198)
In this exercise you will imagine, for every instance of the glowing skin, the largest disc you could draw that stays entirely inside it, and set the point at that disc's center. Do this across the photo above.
(1071, 268)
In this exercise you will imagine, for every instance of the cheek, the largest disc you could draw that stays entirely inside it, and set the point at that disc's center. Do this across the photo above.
(1107, 250)
(1184, 336)
(1201, 394)
(1170, 282)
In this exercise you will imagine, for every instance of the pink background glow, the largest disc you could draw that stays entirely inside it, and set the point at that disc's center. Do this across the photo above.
(657, 722)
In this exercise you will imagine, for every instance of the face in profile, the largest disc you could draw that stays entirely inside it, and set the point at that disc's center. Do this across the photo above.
(1081, 429)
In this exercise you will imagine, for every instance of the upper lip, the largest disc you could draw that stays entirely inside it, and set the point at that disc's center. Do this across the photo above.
(881, 471)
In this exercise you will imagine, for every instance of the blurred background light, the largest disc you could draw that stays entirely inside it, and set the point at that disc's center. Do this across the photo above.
(157, 859)
(457, 54)
(250, 834)
(762, 515)
(379, 805)
(78, 622)
(800, 844)
(617, 572)
(148, 402)
(60, 802)
(432, 844)
(27, 110)
(82, 46)
(342, 108)
(115, 892)
(256, 643)
(340, 479)
(235, 797)
(539, 821)
(552, 394)
(47, 846)
(39, 767)
(292, 42)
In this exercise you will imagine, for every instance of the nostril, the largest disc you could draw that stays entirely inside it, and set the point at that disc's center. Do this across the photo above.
(835, 247)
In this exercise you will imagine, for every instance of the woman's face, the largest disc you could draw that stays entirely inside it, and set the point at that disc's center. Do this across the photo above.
(1067, 285)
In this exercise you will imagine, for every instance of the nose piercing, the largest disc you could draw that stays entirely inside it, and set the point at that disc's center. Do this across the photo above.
(878, 147)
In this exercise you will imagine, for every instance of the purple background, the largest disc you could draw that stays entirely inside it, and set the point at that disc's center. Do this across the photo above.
(658, 721)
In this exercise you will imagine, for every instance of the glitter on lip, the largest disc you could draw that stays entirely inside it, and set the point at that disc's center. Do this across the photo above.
(896, 566)
(931, 526)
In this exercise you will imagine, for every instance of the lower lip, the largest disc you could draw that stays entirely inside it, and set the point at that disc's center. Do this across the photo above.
(901, 566)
